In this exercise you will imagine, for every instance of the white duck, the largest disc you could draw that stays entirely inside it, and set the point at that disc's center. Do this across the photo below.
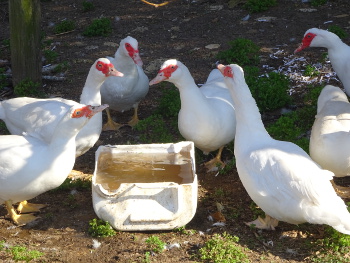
(207, 114)
(39, 117)
(30, 166)
(122, 94)
(338, 52)
(279, 176)
(330, 134)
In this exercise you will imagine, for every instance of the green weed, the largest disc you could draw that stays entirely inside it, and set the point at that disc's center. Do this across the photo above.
(219, 193)
(20, 253)
(286, 129)
(70, 184)
(154, 129)
(256, 6)
(317, 3)
(3, 128)
(71, 201)
(223, 249)
(2, 245)
(294, 126)
(3, 79)
(243, 52)
(155, 244)
(98, 27)
(341, 33)
(100, 228)
(88, 6)
(169, 103)
(311, 71)
(23, 254)
(50, 55)
(6, 42)
(334, 247)
(61, 67)
(28, 88)
(64, 26)
(228, 167)
(256, 210)
(184, 231)
(269, 91)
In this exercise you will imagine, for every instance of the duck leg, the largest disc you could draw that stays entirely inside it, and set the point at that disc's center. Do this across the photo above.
(343, 192)
(268, 223)
(212, 165)
(19, 219)
(135, 118)
(111, 125)
(25, 207)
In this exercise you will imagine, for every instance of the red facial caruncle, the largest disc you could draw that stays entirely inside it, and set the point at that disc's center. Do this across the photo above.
(308, 39)
(84, 111)
(228, 72)
(104, 67)
(134, 54)
(167, 71)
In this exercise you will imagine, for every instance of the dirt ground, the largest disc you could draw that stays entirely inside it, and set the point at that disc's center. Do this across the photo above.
(181, 29)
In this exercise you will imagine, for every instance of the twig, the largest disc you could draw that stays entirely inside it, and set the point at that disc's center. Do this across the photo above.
(157, 5)
(66, 32)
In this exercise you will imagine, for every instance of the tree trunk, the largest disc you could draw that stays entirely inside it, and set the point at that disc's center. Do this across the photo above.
(25, 29)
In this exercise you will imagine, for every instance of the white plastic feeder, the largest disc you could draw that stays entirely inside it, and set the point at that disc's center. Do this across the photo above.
(145, 187)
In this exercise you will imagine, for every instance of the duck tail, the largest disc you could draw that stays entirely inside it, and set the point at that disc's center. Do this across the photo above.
(342, 229)
(344, 225)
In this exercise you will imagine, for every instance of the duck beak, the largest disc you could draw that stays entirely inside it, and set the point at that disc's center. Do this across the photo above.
(137, 59)
(221, 68)
(96, 109)
(300, 48)
(159, 78)
(113, 72)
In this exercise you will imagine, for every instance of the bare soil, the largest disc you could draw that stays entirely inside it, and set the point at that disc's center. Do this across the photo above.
(181, 29)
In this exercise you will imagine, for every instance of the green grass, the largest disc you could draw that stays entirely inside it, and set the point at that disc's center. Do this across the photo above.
(170, 102)
(334, 247)
(294, 126)
(20, 253)
(100, 228)
(311, 71)
(270, 91)
(242, 52)
(61, 67)
(99, 27)
(88, 6)
(155, 244)
(317, 3)
(28, 88)
(223, 248)
(154, 129)
(257, 6)
(50, 55)
(3, 79)
(341, 33)
(70, 184)
(64, 26)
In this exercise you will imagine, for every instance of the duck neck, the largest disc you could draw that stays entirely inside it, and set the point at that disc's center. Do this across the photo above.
(91, 92)
(247, 111)
(332, 42)
(189, 92)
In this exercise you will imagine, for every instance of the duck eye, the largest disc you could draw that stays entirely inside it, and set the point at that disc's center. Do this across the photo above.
(78, 112)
